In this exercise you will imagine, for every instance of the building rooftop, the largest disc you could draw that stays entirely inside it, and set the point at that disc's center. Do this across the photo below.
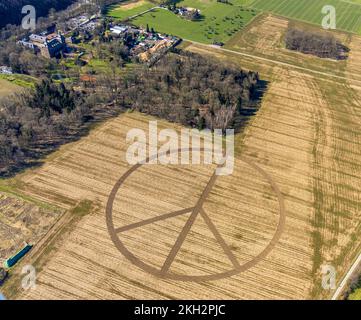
(118, 29)
(37, 38)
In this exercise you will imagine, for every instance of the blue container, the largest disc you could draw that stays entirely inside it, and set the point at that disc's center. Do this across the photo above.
(15, 259)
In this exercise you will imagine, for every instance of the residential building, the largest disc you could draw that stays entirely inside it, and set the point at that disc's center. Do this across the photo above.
(49, 45)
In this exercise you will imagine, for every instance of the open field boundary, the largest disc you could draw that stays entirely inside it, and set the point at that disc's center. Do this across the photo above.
(277, 62)
(348, 14)
(341, 287)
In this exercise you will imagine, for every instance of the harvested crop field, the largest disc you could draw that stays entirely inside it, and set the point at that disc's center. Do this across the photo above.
(21, 221)
(289, 139)
(247, 223)
(309, 124)
(306, 137)
(265, 37)
(312, 121)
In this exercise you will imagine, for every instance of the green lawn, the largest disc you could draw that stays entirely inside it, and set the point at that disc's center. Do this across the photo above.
(219, 23)
(348, 15)
(98, 64)
(356, 292)
(20, 80)
(120, 12)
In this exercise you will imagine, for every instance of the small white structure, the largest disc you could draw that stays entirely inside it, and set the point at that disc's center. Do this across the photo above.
(117, 30)
(5, 70)
(26, 44)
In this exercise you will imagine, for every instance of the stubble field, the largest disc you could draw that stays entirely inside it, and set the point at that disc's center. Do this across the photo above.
(243, 207)
(310, 121)
(305, 136)
(22, 221)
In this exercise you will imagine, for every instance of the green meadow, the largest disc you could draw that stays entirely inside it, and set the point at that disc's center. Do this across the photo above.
(348, 14)
(219, 21)
(121, 12)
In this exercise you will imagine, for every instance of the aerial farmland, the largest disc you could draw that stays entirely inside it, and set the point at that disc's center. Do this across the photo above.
(103, 227)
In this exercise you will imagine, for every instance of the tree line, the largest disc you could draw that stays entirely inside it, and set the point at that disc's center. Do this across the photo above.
(320, 44)
(36, 120)
(184, 88)
(191, 90)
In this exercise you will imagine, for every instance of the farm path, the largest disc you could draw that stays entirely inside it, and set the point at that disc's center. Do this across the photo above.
(273, 61)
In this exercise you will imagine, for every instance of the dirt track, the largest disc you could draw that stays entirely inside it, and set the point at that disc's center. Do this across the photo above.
(194, 211)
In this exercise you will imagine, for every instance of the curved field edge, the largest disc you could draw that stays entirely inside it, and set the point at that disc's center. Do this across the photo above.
(347, 13)
(336, 159)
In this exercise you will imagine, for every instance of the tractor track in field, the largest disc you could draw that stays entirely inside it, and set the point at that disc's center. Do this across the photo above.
(277, 62)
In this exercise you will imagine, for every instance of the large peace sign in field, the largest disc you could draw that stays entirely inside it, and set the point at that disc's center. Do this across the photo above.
(180, 244)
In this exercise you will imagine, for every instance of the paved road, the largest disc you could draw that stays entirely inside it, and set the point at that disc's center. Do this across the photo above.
(343, 283)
